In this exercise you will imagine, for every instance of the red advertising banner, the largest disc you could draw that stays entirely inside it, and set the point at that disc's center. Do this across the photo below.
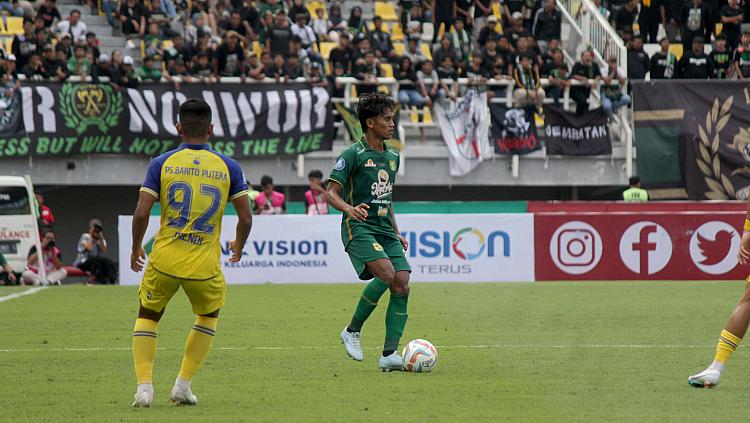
(638, 246)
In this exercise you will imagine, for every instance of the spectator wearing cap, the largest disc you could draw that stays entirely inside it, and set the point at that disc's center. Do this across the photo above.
(79, 64)
(304, 31)
(639, 63)
(547, 24)
(488, 31)
(277, 71)
(694, 20)
(461, 40)
(101, 69)
(150, 71)
(316, 78)
(73, 26)
(613, 93)
(663, 62)
(124, 76)
(356, 21)
(742, 57)
(517, 31)
(91, 259)
(133, 18)
(230, 57)
(695, 63)
(584, 71)
(722, 58)
(269, 201)
(368, 70)
(53, 65)
(342, 54)
(49, 12)
(381, 41)
(731, 16)
(254, 67)
(528, 90)
(10, 73)
(24, 45)
(281, 33)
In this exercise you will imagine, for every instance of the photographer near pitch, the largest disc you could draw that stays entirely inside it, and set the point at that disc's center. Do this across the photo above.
(91, 247)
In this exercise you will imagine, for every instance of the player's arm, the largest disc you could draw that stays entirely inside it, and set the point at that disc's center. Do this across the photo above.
(141, 215)
(744, 255)
(333, 195)
(244, 225)
(404, 241)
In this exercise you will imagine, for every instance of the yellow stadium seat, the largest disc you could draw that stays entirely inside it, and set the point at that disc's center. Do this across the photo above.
(676, 49)
(386, 10)
(414, 115)
(8, 45)
(167, 44)
(353, 93)
(427, 115)
(441, 30)
(397, 33)
(426, 50)
(496, 10)
(257, 48)
(387, 70)
(143, 49)
(371, 27)
(2, 28)
(399, 48)
(325, 49)
(14, 25)
(719, 27)
(313, 6)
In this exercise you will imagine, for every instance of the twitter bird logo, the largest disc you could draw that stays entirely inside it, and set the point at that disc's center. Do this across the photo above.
(715, 250)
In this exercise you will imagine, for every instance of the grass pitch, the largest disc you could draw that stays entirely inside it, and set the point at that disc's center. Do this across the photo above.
(508, 352)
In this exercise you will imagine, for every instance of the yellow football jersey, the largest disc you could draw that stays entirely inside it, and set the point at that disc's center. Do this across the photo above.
(193, 185)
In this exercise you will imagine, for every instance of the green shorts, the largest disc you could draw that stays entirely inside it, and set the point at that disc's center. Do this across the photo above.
(364, 248)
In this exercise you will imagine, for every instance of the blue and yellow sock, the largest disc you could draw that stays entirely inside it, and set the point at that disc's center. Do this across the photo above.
(199, 343)
(144, 349)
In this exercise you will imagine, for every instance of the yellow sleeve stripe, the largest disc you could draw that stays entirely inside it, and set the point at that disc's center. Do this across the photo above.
(239, 194)
(150, 191)
(337, 181)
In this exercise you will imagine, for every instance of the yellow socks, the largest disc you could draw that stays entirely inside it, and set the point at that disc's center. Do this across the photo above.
(198, 345)
(144, 349)
(726, 346)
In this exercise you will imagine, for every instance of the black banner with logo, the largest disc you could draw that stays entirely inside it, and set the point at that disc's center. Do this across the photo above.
(250, 120)
(513, 130)
(699, 131)
(569, 134)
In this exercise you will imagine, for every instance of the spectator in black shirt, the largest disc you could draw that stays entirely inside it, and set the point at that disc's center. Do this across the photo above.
(625, 17)
(368, 70)
(695, 63)
(133, 17)
(342, 54)
(694, 21)
(34, 69)
(663, 62)
(722, 58)
(381, 41)
(123, 75)
(742, 57)
(101, 69)
(65, 45)
(230, 57)
(338, 89)
(24, 45)
(671, 13)
(202, 67)
(547, 24)
(488, 31)
(489, 53)
(278, 69)
(517, 30)
(178, 50)
(48, 12)
(648, 19)
(731, 16)
(445, 49)
(408, 95)
(443, 13)
(558, 74)
(298, 8)
(482, 13)
(293, 68)
(463, 12)
(53, 65)
(584, 71)
(448, 76)
(278, 42)
(92, 44)
(235, 23)
(638, 61)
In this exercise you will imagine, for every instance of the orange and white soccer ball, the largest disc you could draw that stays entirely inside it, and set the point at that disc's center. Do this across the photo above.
(419, 356)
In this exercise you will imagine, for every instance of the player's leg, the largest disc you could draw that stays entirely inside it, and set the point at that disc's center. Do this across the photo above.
(365, 253)
(729, 340)
(397, 314)
(206, 297)
(155, 292)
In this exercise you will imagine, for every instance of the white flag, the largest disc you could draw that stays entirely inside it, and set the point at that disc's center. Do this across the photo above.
(465, 132)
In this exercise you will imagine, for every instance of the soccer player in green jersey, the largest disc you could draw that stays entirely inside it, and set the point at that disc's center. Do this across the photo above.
(362, 189)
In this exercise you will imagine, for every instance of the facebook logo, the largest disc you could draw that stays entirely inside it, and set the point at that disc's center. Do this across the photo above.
(646, 248)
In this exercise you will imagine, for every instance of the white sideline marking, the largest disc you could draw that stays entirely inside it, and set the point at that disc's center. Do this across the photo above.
(303, 348)
(21, 294)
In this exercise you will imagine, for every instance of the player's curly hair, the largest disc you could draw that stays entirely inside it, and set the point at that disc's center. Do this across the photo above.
(372, 105)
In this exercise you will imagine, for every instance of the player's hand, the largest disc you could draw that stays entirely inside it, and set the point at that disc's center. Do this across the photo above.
(744, 255)
(358, 213)
(137, 259)
(12, 277)
(404, 242)
(236, 252)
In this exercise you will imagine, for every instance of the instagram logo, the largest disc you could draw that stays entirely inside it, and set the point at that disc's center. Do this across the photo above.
(576, 248)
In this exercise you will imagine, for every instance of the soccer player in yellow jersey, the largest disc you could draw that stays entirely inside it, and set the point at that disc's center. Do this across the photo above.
(735, 329)
(192, 184)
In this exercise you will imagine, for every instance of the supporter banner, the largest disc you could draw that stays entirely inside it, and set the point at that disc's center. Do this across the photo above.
(465, 132)
(514, 130)
(695, 134)
(638, 246)
(250, 120)
(308, 249)
(569, 134)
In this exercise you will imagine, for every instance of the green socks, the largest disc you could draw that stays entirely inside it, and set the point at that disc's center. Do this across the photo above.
(367, 303)
(395, 320)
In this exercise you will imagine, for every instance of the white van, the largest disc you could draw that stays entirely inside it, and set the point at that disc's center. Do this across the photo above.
(18, 224)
